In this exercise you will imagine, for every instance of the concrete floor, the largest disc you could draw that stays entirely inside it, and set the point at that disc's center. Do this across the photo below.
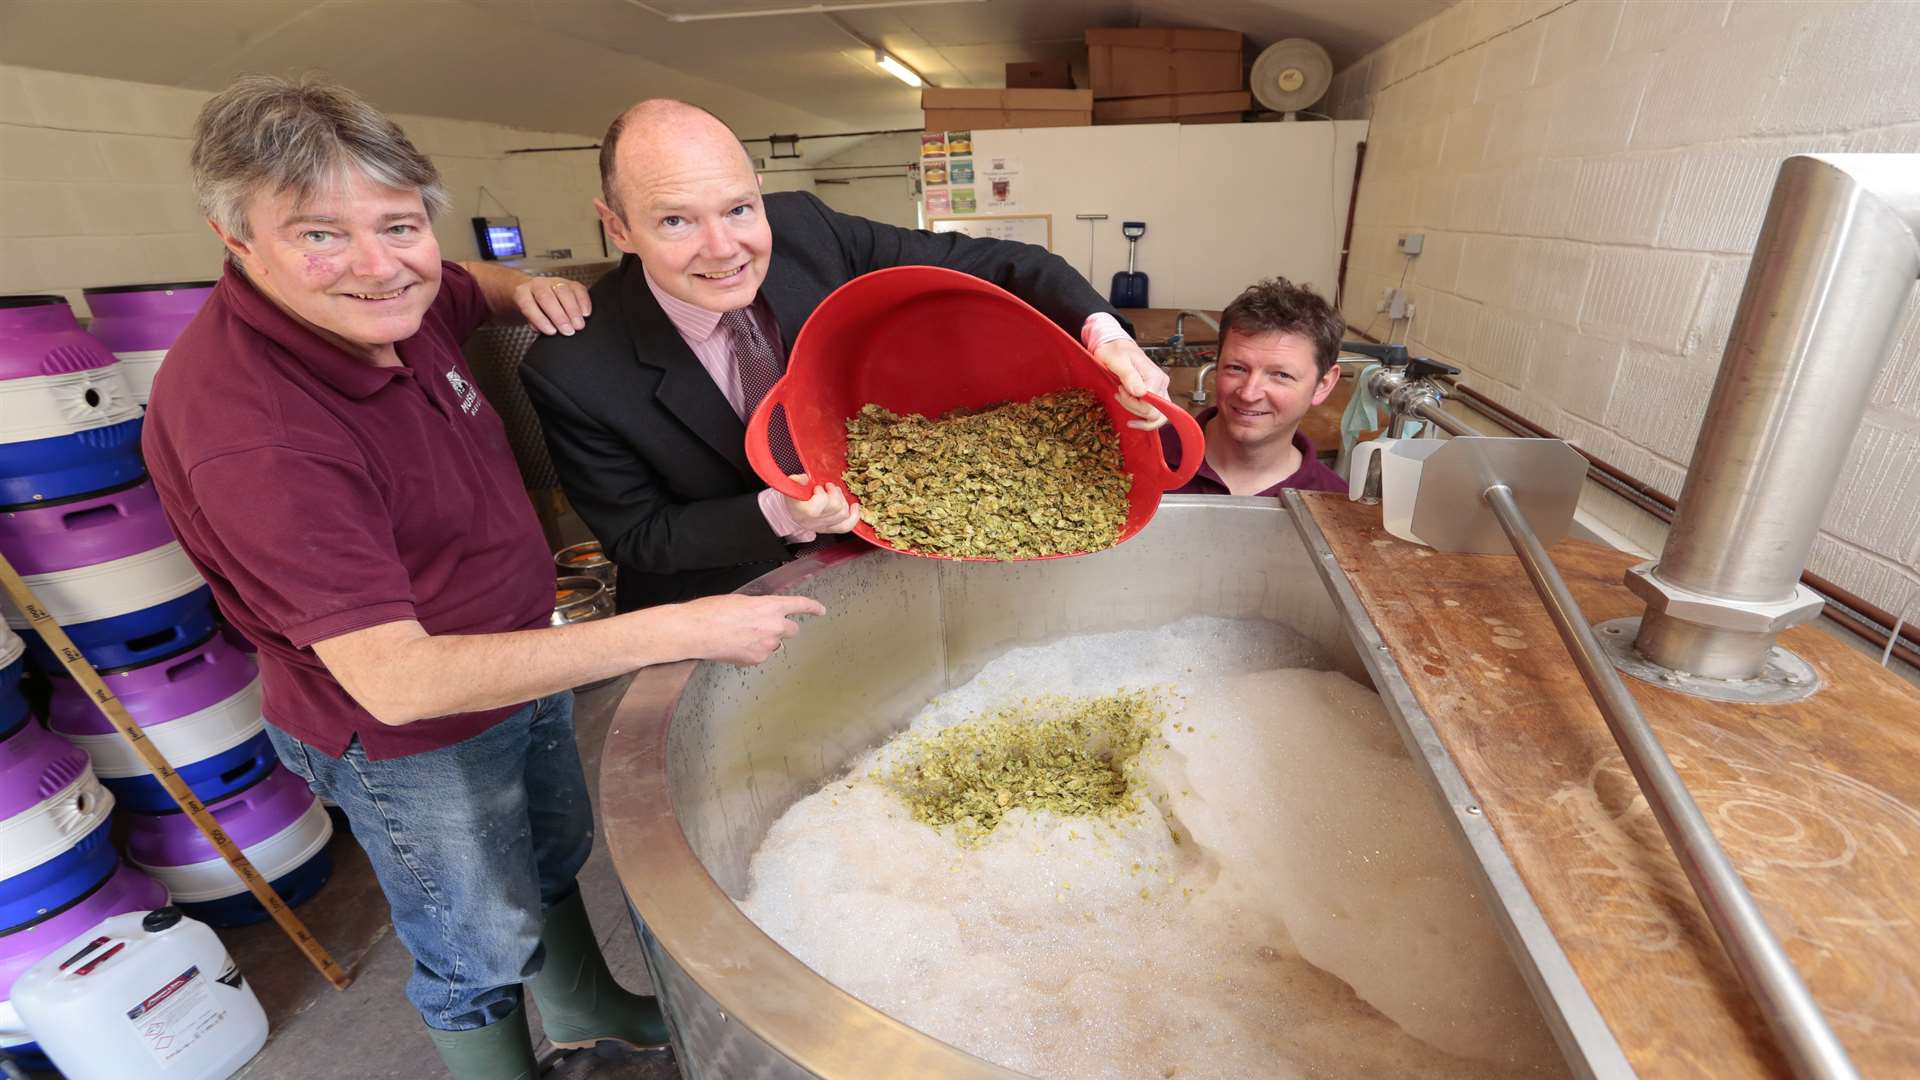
(369, 1032)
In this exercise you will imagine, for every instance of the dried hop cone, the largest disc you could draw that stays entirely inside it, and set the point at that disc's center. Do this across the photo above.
(1016, 481)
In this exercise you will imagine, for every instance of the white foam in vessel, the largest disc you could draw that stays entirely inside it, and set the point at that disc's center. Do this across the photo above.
(146, 994)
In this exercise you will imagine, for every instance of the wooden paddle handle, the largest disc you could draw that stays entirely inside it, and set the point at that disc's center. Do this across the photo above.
(82, 671)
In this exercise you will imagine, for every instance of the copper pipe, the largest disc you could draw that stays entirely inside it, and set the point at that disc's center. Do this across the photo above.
(1346, 242)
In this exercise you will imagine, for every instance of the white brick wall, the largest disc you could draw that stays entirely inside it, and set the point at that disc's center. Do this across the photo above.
(1591, 177)
(1504, 344)
(1898, 389)
(1476, 200)
(1643, 295)
(1551, 277)
(1594, 109)
(1702, 95)
(95, 189)
(1619, 199)
(1538, 198)
(1856, 66)
(1662, 400)
(1872, 506)
(1577, 372)
(1721, 192)
(1512, 60)
(1487, 265)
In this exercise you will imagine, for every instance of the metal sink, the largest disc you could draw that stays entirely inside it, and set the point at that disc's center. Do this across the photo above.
(1181, 356)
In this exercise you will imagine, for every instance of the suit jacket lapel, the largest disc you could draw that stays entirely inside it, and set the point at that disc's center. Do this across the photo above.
(788, 302)
(685, 390)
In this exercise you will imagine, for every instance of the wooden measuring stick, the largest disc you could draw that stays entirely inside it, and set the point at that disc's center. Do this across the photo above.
(196, 811)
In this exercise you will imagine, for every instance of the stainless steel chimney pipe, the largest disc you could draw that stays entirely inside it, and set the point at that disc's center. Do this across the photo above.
(1836, 261)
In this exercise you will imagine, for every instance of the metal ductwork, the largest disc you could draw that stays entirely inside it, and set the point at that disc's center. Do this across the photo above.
(1836, 261)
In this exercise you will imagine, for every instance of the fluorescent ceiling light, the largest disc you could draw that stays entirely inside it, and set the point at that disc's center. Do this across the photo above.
(895, 68)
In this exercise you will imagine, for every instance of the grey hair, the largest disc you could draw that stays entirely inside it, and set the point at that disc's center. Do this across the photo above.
(267, 133)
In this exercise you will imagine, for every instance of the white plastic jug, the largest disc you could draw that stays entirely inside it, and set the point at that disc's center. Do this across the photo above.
(147, 994)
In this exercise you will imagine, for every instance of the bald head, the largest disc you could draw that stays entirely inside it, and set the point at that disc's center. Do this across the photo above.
(680, 192)
(650, 133)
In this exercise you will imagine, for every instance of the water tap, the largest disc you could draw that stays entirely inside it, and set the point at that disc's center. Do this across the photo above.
(1179, 337)
(1199, 396)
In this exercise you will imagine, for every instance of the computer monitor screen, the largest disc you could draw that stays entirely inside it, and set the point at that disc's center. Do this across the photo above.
(499, 238)
(505, 241)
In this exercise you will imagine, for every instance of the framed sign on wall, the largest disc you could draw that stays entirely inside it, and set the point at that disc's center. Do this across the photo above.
(1025, 228)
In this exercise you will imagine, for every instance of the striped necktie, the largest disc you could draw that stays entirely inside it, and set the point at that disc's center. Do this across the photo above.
(759, 367)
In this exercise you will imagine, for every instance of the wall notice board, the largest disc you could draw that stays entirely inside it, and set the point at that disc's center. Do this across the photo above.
(1025, 228)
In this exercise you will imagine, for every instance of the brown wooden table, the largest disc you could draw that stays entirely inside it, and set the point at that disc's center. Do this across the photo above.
(1817, 803)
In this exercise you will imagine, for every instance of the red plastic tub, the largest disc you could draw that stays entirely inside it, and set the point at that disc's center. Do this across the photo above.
(924, 339)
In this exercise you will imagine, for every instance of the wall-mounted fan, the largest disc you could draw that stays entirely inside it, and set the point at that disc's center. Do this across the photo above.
(1291, 75)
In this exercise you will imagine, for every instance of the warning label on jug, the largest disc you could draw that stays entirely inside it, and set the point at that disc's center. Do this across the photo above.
(177, 1015)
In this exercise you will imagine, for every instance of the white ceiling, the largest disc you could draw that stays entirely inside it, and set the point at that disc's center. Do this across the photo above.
(570, 65)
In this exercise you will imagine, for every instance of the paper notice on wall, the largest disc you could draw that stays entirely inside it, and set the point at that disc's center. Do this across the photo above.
(177, 1015)
(963, 201)
(938, 201)
(1002, 183)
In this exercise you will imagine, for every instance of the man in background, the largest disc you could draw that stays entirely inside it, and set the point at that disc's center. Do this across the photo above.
(1279, 343)
(645, 411)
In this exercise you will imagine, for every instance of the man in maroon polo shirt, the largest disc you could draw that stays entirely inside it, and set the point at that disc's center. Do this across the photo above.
(1279, 343)
(326, 461)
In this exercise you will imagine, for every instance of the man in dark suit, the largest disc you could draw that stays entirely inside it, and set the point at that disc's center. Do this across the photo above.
(644, 408)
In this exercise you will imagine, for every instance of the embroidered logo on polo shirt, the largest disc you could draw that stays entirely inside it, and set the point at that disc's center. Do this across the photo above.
(462, 389)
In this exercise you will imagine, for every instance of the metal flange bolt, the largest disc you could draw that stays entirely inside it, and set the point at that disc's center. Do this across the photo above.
(1742, 616)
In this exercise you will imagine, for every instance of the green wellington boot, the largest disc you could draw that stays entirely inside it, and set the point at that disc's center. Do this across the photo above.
(503, 1050)
(580, 1004)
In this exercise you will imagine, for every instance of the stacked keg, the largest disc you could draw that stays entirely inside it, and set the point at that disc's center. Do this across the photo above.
(139, 323)
(81, 522)
(69, 429)
(59, 874)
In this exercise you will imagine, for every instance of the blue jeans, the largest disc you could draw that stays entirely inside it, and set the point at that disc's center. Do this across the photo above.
(471, 843)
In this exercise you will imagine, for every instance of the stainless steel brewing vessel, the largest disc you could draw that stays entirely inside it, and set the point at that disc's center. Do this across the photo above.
(702, 758)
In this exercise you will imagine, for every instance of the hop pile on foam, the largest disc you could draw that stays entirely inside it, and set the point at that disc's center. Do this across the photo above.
(1282, 901)
(1069, 757)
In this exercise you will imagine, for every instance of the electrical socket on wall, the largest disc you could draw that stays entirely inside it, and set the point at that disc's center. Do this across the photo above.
(1395, 303)
(1410, 243)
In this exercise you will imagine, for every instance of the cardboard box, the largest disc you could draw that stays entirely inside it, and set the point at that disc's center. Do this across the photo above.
(1168, 108)
(1040, 75)
(1202, 118)
(1146, 62)
(971, 109)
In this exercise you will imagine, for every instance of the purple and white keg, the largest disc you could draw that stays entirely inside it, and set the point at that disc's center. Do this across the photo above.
(201, 709)
(69, 423)
(13, 705)
(108, 569)
(124, 890)
(278, 824)
(140, 322)
(53, 826)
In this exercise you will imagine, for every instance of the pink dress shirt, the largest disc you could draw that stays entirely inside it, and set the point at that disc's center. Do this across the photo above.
(712, 345)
